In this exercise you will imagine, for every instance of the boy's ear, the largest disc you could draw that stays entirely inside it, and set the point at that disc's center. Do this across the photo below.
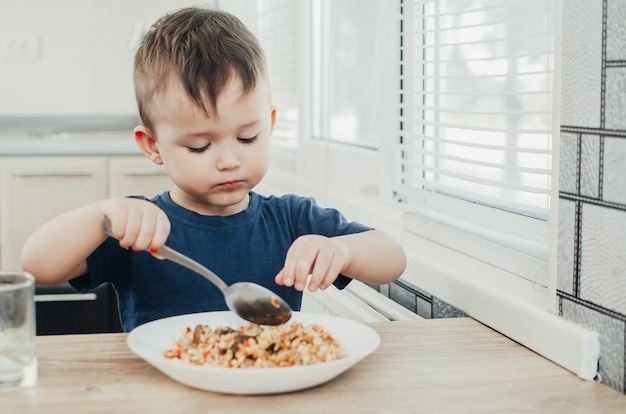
(273, 115)
(147, 144)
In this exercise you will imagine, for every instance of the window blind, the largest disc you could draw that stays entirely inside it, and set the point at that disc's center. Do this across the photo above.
(476, 96)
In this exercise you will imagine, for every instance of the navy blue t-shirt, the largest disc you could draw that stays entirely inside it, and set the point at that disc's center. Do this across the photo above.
(247, 246)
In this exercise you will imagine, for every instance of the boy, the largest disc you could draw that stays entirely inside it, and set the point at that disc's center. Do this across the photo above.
(203, 94)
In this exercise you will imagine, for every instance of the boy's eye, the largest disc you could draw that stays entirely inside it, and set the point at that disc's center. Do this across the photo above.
(198, 150)
(247, 140)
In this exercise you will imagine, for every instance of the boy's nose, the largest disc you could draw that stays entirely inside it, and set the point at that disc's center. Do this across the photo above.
(227, 158)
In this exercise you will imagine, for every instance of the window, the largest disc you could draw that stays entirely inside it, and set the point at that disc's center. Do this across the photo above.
(327, 70)
(345, 74)
(475, 134)
(276, 26)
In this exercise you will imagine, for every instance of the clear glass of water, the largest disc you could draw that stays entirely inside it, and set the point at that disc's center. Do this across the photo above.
(18, 360)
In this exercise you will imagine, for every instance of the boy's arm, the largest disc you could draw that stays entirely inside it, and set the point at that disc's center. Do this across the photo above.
(371, 256)
(58, 250)
(374, 257)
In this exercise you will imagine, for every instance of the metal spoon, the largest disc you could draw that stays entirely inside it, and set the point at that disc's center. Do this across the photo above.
(250, 301)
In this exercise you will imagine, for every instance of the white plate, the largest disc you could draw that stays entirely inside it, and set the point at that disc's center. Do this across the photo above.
(149, 341)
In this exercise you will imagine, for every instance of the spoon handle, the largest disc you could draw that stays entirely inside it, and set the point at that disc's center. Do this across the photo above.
(181, 259)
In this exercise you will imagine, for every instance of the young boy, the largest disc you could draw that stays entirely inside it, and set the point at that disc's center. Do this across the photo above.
(203, 93)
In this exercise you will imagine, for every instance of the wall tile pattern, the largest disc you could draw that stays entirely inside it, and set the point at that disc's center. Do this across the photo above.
(591, 272)
(582, 80)
(611, 328)
(418, 301)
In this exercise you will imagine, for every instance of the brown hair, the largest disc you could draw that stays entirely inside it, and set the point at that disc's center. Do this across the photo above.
(202, 48)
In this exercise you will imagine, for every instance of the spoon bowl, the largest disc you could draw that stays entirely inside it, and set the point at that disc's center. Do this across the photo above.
(250, 301)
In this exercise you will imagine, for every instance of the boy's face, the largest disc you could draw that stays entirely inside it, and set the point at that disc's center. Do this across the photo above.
(215, 160)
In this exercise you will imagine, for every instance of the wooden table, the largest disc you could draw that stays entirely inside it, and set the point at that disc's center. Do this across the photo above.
(425, 366)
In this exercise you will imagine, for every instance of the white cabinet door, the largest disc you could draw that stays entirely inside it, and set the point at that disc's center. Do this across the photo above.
(35, 189)
(136, 175)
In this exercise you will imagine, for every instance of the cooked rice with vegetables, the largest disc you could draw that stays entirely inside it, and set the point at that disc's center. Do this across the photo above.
(256, 346)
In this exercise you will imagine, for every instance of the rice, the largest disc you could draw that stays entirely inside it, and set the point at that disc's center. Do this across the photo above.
(256, 346)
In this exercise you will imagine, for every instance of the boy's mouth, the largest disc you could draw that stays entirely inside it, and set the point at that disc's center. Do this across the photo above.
(229, 185)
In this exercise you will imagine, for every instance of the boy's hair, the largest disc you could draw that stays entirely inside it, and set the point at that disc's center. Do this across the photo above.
(201, 48)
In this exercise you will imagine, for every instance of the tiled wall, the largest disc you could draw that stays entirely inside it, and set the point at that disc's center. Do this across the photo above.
(591, 277)
(418, 301)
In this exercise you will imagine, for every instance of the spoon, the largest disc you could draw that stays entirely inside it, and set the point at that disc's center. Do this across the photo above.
(250, 301)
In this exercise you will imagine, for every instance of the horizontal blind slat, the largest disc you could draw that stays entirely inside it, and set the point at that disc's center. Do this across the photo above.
(482, 128)
(470, 162)
(473, 180)
(413, 195)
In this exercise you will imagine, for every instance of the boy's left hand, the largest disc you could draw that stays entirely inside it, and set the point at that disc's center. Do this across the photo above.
(321, 257)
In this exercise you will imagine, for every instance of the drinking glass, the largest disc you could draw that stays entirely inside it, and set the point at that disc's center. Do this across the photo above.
(18, 360)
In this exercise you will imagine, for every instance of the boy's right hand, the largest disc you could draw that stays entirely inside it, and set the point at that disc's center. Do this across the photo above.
(137, 224)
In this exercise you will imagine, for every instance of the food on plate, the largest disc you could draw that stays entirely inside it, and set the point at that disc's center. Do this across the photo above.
(256, 346)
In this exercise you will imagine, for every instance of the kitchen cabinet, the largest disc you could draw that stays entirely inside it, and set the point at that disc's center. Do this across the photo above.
(33, 189)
